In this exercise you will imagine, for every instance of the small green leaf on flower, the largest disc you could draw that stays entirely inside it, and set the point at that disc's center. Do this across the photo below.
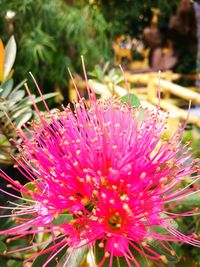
(29, 187)
(132, 99)
(62, 218)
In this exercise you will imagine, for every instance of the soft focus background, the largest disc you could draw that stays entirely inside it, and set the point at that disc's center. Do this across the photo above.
(46, 37)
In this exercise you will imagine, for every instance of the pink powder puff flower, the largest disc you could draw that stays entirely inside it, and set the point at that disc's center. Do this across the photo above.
(111, 173)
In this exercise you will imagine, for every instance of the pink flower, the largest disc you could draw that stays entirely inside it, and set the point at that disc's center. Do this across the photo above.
(111, 173)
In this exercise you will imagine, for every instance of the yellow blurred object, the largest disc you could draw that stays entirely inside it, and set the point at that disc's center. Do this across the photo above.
(59, 98)
(121, 52)
(2, 56)
(141, 64)
(154, 20)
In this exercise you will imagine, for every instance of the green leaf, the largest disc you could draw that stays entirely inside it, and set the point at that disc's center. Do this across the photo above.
(169, 220)
(74, 258)
(21, 120)
(193, 200)
(25, 102)
(31, 187)
(19, 85)
(171, 258)
(10, 54)
(14, 263)
(7, 87)
(62, 218)
(40, 260)
(142, 260)
(46, 96)
(105, 68)
(4, 141)
(3, 261)
(134, 100)
(6, 223)
(3, 247)
(16, 96)
(16, 113)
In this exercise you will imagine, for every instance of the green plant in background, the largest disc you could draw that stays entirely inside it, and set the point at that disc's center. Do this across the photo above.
(51, 35)
(106, 75)
(192, 135)
(131, 17)
(107, 81)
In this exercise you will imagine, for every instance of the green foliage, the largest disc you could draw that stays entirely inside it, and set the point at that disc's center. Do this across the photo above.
(132, 99)
(40, 260)
(193, 200)
(3, 246)
(131, 17)
(193, 136)
(107, 76)
(52, 36)
(16, 260)
(75, 259)
(14, 103)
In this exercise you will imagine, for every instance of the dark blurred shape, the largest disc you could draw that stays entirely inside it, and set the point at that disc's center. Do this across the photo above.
(161, 56)
(183, 33)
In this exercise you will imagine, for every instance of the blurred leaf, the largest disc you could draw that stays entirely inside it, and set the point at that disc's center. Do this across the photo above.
(19, 243)
(10, 54)
(19, 85)
(99, 73)
(16, 96)
(7, 87)
(31, 187)
(193, 200)
(2, 55)
(3, 247)
(40, 260)
(62, 218)
(4, 141)
(74, 258)
(14, 263)
(3, 261)
(46, 96)
(6, 224)
(25, 102)
(22, 119)
(134, 100)
(105, 67)
(169, 221)
(171, 257)
(16, 113)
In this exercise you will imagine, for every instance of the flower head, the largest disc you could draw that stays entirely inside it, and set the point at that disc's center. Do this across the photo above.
(109, 174)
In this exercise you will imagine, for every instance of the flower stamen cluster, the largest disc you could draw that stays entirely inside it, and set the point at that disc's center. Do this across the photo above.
(110, 173)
